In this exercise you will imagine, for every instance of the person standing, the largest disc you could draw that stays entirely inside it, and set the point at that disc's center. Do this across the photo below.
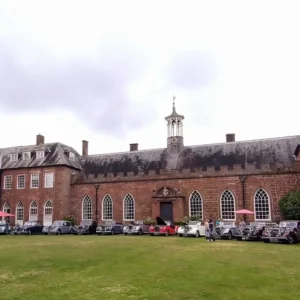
(211, 227)
(207, 232)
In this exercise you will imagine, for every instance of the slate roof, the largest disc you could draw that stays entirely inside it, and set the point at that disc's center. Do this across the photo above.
(263, 151)
(55, 154)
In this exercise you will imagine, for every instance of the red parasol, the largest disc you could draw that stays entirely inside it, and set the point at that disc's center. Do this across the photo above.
(244, 211)
(4, 214)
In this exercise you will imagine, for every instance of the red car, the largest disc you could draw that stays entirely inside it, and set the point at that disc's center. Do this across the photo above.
(163, 228)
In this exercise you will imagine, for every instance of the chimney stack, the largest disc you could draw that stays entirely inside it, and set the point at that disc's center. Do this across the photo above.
(40, 139)
(85, 148)
(134, 147)
(230, 137)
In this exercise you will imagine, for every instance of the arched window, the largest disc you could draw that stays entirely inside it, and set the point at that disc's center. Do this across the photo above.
(48, 213)
(87, 208)
(227, 206)
(6, 209)
(107, 208)
(195, 204)
(128, 208)
(262, 205)
(20, 213)
(33, 211)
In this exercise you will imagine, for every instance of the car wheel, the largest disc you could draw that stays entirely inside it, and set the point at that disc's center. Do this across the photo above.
(140, 232)
(166, 233)
(290, 240)
(180, 235)
(112, 232)
(151, 234)
(58, 232)
(229, 236)
(239, 238)
(267, 241)
(29, 232)
(125, 233)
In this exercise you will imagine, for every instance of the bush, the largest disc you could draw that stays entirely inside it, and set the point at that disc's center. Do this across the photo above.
(71, 219)
(149, 221)
(290, 205)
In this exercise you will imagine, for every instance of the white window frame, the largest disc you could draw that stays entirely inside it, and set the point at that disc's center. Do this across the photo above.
(24, 155)
(124, 213)
(201, 198)
(6, 177)
(40, 154)
(48, 206)
(221, 210)
(49, 174)
(18, 186)
(107, 200)
(33, 211)
(20, 207)
(14, 157)
(38, 181)
(87, 208)
(72, 156)
(269, 205)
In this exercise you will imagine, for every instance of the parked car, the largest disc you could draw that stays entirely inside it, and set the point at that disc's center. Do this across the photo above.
(4, 228)
(193, 228)
(30, 227)
(163, 228)
(226, 230)
(287, 232)
(253, 231)
(86, 227)
(137, 227)
(111, 227)
(59, 227)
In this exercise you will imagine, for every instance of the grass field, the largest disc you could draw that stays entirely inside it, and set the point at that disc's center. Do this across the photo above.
(120, 267)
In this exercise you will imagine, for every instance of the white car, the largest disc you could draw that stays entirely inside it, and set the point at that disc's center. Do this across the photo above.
(194, 228)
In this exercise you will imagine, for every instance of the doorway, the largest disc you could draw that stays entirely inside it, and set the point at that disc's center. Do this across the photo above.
(166, 211)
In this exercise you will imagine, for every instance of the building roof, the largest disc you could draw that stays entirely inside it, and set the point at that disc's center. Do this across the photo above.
(55, 154)
(258, 152)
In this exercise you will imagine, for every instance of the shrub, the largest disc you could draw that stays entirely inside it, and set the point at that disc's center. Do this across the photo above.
(71, 219)
(290, 205)
(149, 221)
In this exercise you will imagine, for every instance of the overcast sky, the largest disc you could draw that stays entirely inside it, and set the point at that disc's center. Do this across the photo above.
(106, 71)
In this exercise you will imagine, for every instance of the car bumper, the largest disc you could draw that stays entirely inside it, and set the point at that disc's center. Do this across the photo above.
(275, 239)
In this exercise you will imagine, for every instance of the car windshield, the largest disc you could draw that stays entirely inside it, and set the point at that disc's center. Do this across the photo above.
(57, 223)
(257, 224)
(30, 223)
(287, 224)
(193, 222)
(85, 222)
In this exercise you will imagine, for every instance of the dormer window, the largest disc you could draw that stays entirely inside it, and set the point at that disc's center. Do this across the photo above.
(26, 155)
(72, 156)
(13, 157)
(40, 154)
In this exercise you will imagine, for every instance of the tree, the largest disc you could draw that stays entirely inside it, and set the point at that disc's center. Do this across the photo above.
(290, 205)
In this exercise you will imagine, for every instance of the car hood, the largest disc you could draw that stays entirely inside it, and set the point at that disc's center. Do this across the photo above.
(160, 221)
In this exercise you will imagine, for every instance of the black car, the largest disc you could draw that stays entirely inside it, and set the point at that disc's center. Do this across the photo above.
(110, 227)
(86, 227)
(30, 227)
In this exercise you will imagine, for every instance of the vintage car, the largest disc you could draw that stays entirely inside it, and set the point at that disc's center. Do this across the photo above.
(59, 227)
(226, 230)
(162, 227)
(253, 231)
(137, 227)
(30, 227)
(193, 228)
(4, 228)
(287, 232)
(86, 227)
(110, 227)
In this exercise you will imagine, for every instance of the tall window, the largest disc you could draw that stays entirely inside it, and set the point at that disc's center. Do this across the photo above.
(6, 209)
(128, 208)
(48, 213)
(87, 208)
(227, 206)
(262, 205)
(107, 208)
(20, 214)
(34, 181)
(21, 182)
(33, 211)
(49, 180)
(7, 182)
(196, 209)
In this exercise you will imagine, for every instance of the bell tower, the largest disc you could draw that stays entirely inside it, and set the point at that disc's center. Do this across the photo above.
(175, 130)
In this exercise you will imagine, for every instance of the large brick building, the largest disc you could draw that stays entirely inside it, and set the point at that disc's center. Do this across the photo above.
(49, 181)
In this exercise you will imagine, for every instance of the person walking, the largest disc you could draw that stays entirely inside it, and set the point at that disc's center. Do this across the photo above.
(211, 227)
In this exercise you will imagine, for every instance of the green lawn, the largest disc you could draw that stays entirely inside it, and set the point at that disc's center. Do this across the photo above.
(120, 267)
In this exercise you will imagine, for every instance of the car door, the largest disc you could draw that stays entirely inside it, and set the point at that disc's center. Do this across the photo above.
(66, 227)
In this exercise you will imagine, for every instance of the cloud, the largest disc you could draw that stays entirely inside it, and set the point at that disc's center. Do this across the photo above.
(92, 88)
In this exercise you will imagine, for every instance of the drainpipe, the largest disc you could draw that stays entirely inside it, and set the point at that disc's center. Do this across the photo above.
(243, 179)
(97, 187)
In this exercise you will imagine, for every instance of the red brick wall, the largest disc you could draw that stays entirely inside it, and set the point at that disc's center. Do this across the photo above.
(210, 189)
(59, 194)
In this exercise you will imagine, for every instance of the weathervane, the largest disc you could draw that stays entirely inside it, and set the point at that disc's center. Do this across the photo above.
(174, 97)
